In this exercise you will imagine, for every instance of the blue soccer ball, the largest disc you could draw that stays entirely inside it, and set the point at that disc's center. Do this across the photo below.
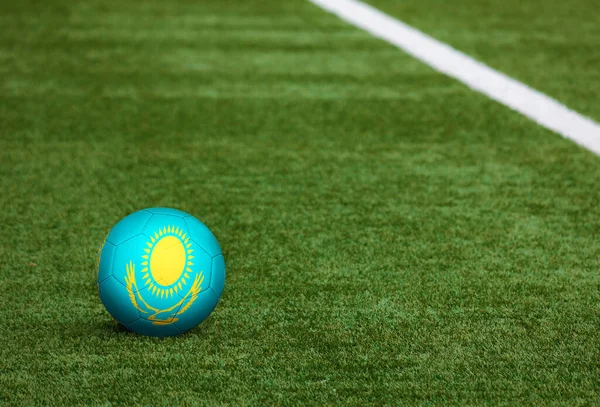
(161, 272)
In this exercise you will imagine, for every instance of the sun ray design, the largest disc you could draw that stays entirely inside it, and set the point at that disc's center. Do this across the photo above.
(166, 265)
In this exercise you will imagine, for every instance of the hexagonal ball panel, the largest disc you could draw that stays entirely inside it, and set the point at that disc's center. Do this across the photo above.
(128, 227)
(201, 262)
(197, 312)
(159, 222)
(145, 327)
(167, 211)
(106, 261)
(202, 235)
(115, 298)
(218, 275)
(132, 251)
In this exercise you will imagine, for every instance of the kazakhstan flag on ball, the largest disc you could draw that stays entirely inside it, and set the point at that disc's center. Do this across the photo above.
(161, 272)
(174, 282)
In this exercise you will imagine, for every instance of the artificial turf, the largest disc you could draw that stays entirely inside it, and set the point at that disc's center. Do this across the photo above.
(390, 236)
(551, 45)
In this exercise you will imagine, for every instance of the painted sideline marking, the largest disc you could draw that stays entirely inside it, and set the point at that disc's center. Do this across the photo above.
(535, 105)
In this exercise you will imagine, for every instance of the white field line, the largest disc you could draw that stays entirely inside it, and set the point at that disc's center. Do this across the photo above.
(529, 102)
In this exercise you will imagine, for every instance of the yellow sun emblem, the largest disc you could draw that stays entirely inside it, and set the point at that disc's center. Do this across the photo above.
(167, 259)
(165, 271)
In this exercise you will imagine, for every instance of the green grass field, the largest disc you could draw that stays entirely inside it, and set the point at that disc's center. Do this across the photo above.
(391, 237)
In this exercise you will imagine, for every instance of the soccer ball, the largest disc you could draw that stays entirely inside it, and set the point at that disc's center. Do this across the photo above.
(161, 272)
